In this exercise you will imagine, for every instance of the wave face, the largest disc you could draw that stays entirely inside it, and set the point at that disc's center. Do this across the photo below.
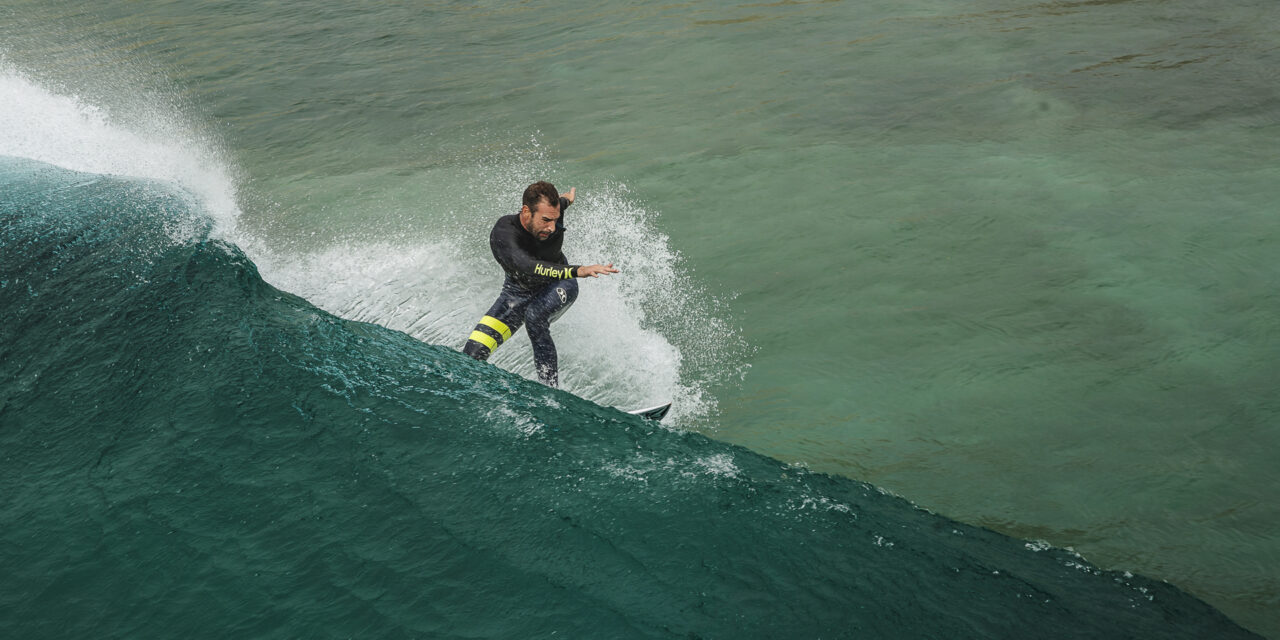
(190, 452)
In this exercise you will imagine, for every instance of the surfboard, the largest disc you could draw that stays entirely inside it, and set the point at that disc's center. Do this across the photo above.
(652, 413)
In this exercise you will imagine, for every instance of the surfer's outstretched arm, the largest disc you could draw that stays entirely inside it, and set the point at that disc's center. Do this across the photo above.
(595, 270)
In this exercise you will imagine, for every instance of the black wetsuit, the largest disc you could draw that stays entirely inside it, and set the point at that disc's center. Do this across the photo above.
(539, 287)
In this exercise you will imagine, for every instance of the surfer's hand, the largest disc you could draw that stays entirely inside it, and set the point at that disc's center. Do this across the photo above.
(569, 196)
(594, 270)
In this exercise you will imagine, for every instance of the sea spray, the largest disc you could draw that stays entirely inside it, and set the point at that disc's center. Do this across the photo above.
(64, 130)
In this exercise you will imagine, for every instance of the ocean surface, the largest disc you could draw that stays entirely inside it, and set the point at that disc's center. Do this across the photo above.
(969, 311)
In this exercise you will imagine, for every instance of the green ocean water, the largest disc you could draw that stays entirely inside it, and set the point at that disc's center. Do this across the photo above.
(1012, 261)
(190, 451)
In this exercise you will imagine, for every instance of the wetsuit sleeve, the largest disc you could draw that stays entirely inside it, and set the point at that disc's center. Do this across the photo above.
(513, 257)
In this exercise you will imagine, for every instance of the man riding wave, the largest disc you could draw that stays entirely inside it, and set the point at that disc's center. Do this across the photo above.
(540, 285)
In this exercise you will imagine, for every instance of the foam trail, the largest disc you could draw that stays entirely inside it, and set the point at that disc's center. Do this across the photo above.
(419, 289)
(39, 124)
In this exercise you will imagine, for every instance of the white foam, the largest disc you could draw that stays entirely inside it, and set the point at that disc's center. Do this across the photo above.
(720, 464)
(717, 466)
(809, 502)
(61, 129)
(418, 289)
(520, 423)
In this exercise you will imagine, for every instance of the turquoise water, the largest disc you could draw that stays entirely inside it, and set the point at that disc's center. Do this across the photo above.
(1012, 261)
(191, 451)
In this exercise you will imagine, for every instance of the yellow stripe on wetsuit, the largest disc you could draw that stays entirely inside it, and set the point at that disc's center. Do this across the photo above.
(485, 339)
(496, 325)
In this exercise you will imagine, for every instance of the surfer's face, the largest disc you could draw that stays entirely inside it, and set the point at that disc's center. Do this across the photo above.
(541, 222)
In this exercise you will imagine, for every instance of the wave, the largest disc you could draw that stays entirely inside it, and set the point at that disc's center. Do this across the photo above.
(191, 451)
(651, 336)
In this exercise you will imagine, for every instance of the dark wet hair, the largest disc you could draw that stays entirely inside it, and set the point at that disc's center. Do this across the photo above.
(539, 191)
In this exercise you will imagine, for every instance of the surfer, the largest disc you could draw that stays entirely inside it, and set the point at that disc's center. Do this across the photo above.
(539, 285)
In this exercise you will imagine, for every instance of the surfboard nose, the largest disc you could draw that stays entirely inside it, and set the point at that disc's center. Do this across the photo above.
(653, 413)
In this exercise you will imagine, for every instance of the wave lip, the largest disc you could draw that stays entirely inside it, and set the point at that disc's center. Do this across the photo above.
(40, 124)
